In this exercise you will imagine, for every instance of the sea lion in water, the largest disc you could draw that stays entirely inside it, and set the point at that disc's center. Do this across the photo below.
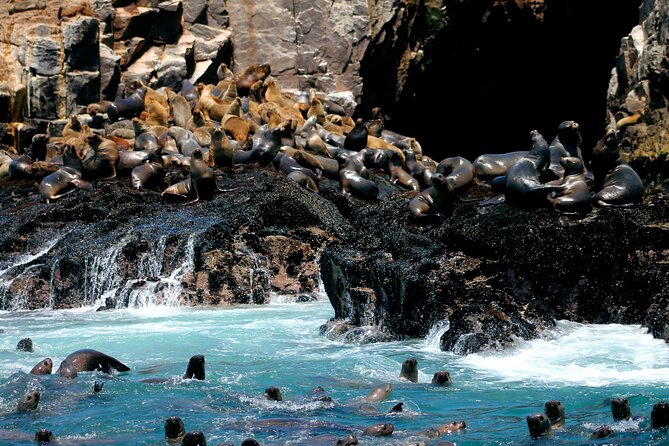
(348, 441)
(659, 416)
(44, 367)
(194, 439)
(410, 370)
(575, 196)
(433, 203)
(379, 393)
(442, 378)
(451, 427)
(554, 410)
(601, 432)
(29, 401)
(273, 394)
(88, 360)
(174, 430)
(195, 368)
(397, 408)
(43, 436)
(620, 409)
(25, 345)
(379, 430)
(538, 425)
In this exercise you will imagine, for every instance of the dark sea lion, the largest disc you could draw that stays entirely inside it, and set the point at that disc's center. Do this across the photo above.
(620, 409)
(273, 394)
(38, 147)
(435, 203)
(575, 196)
(538, 425)
(180, 111)
(348, 441)
(379, 393)
(150, 174)
(20, 167)
(103, 162)
(65, 180)
(397, 408)
(567, 143)
(267, 143)
(379, 430)
(442, 378)
(25, 345)
(129, 159)
(376, 159)
(410, 370)
(29, 401)
(98, 386)
(605, 157)
(44, 436)
(88, 360)
(202, 178)
(195, 368)
(144, 141)
(250, 442)
(353, 175)
(189, 92)
(454, 426)
(400, 176)
(185, 139)
(180, 191)
(174, 430)
(220, 150)
(554, 410)
(414, 167)
(489, 166)
(659, 416)
(622, 187)
(129, 107)
(194, 439)
(601, 432)
(356, 139)
(44, 367)
(459, 172)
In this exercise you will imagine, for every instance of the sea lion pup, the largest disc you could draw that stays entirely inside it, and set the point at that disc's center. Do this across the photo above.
(66, 179)
(220, 149)
(250, 75)
(194, 439)
(151, 174)
(44, 367)
(659, 416)
(433, 204)
(442, 378)
(353, 176)
(174, 430)
(129, 107)
(523, 180)
(620, 409)
(356, 139)
(601, 432)
(29, 401)
(400, 176)
(25, 345)
(195, 368)
(44, 436)
(348, 441)
(409, 370)
(103, 161)
(88, 360)
(575, 196)
(538, 425)
(379, 393)
(616, 183)
(379, 430)
(303, 180)
(273, 394)
(554, 410)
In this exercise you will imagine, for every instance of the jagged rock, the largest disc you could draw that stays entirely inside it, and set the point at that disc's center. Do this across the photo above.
(195, 11)
(56, 126)
(80, 43)
(83, 88)
(176, 62)
(344, 98)
(129, 50)
(132, 21)
(104, 10)
(168, 26)
(12, 99)
(45, 99)
(44, 56)
(217, 14)
(144, 68)
(210, 43)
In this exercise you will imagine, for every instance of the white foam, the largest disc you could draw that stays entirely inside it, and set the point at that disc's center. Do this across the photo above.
(576, 354)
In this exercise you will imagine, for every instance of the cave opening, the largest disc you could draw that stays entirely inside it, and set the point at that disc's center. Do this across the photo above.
(494, 73)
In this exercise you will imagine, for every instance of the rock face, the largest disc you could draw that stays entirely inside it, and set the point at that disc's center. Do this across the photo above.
(638, 94)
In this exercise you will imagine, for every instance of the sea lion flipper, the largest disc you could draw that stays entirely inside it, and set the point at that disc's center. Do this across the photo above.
(82, 184)
(493, 201)
(117, 365)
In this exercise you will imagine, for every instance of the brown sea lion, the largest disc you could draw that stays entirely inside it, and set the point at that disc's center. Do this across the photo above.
(454, 426)
(659, 416)
(150, 174)
(348, 441)
(104, 160)
(220, 150)
(88, 360)
(620, 409)
(250, 75)
(459, 172)
(44, 367)
(574, 197)
(435, 203)
(442, 378)
(554, 410)
(66, 179)
(379, 430)
(174, 430)
(180, 111)
(409, 370)
(379, 393)
(538, 425)
(273, 394)
(29, 401)
(316, 108)
(601, 432)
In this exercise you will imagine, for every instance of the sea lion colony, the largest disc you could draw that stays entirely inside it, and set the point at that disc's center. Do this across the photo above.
(247, 119)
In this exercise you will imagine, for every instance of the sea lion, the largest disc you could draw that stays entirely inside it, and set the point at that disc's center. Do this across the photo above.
(190, 93)
(620, 409)
(376, 123)
(104, 160)
(25, 345)
(316, 107)
(88, 360)
(180, 111)
(315, 144)
(29, 401)
(194, 439)
(288, 166)
(250, 75)
(659, 416)
(129, 159)
(195, 368)
(538, 425)
(376, 159)
(179, 191)
(20, 167)
(266, 144)
(220, 149)
(44, 367)
(202, 178)
(174, 430)
(129, 107)
(353, 176)
(488, 166)
(442, 378)
(400, 176)
(250, 442)
(38, 147)
(622, 187)
(379, 430)
(44, 436)
(566, 143)
(273, 394)
(356, 139)
(98, 386)
(601, 432)
(397, 408)
(575, 196)
(554, 410)
(459, 172)
(348, 441)
(379, 393)
(409, 370)
(185, 139)
(65, 180)
(150, 174)
(451, 427)
(434, 203)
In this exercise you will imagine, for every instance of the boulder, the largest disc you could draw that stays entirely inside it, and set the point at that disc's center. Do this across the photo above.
(12, 100)
(45, 99)
(80, 43)
(83, 88)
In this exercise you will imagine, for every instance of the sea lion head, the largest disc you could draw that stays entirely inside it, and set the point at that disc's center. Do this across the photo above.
(410, 370)
(194, 439)
(452, 427)
(273, 394)
(380, 430)
(217, 133)
(569, 133)
(572, 165)
(554, 411)
(441, 378)
(67, 370)
(441, 183)
(538, 425)
(607, 147)
(659, 416)
(44, 367)
(620, 409)
(43, 436)
(195, 369)
(348, 441)
(174, 429)
(29, 401)
(601, 432)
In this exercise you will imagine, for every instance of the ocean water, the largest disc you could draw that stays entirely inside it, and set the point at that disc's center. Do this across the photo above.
(250, 348)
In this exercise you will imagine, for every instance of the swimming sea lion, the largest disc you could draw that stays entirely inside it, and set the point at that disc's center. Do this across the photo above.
(44, 367)
(620, 409)
(575, 196)
(451, 427)
(554, 410)
(379, 393)
(538, 425)
(273, 394)
(25, 345)
(348, 441)
(410, 370)
(601, 432)
(379, 430)
(434, 203)
(250, 442)
(488, 166)
(397, 408)
(29, 401)
(442, 378)
(194, 439)
(150, 174)
(174, 430)
(195, 368)
(356, 139)
(43, 436)
(88, 360)
(659, 416)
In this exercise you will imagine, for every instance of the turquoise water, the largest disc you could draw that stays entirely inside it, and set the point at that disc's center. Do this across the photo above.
(248, 349)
